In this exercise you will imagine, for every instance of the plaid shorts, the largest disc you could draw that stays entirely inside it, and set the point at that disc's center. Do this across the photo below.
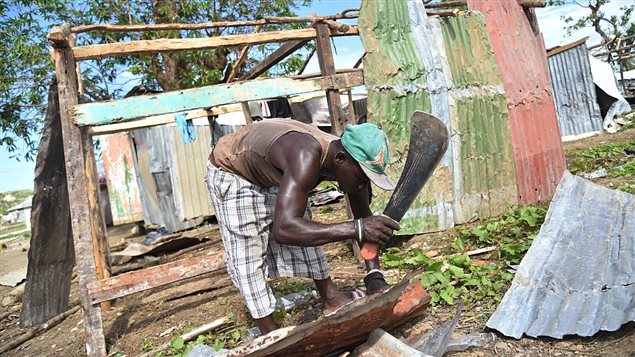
(245, 215)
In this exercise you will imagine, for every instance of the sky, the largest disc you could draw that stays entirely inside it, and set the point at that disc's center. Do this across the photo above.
(16, 174)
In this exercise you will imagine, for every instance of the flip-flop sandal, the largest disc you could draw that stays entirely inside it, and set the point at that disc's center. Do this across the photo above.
(358, 294)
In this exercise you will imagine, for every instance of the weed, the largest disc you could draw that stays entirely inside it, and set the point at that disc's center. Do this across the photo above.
(611, 157)
(480, 286)
(228, 338)
(146, 345)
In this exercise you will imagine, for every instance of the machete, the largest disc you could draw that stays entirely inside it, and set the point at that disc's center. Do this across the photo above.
(428, 143)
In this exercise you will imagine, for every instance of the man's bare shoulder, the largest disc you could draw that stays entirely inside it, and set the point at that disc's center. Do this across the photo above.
(295, 149)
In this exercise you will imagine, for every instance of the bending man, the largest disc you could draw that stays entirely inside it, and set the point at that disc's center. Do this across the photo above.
(259, 180)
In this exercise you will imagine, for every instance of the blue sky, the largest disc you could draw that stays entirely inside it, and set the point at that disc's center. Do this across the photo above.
(16, 175)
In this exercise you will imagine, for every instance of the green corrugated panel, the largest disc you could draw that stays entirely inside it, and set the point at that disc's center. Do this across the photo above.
(396, 79)
(469, 51)
(487, 182)
(479, 178)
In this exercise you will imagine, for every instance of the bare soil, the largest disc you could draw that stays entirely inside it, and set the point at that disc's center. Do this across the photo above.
(155, 318)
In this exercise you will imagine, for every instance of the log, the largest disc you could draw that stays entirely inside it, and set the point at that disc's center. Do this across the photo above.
(347, 327)
(36, 331)
(240, 60)
(137, 281)
(327, 68)
(182, 44)
(211, 96)
(82, 219)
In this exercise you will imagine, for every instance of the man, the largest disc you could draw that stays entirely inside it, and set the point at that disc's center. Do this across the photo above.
(259, 180)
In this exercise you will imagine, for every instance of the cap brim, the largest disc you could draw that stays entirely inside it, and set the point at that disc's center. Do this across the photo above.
(382, 181)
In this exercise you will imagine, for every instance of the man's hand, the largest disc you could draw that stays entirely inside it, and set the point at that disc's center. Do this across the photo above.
(378, 229)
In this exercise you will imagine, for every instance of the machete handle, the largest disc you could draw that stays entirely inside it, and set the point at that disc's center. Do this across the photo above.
(369, 251)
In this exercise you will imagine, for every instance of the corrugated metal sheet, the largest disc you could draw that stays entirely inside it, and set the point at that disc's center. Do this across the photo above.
(444, 67)
(578, 277)
(484, 181)
(520, 54)
(171, 176)
(574, 92)
(121, 178)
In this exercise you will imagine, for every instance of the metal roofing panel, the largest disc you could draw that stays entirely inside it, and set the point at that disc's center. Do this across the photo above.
(484, 181)
(121, 178)
(396, 80)
(520, 54)
(578, 277)
(190, 161)
(574, 92)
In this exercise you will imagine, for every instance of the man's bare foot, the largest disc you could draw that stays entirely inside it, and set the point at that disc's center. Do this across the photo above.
(336, 301)
(332, 297)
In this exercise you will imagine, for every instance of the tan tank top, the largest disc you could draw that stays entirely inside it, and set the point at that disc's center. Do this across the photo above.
(246, 152)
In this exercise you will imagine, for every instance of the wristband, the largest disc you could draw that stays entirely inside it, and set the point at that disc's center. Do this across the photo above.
(359, 230)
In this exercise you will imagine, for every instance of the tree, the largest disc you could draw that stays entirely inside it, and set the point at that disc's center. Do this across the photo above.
(27, 63)
(607, 27)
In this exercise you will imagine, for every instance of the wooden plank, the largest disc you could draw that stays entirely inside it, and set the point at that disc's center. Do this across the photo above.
(81, 217)
(559, 49)
(247, 113)
(327, 67)
(204, 97)
(278, 55)
(140, 280)
(346, 327)
(182, 44)
(241, 59)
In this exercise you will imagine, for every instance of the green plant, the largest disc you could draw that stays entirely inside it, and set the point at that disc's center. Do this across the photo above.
(480, 286)
(610, 157)
(146, 345)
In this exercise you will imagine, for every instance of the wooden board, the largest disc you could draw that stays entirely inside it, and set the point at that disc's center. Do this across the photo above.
(347, 327)
(140, 280)
(183, 44)
(204, 97)
(82, 220)
(278, 55)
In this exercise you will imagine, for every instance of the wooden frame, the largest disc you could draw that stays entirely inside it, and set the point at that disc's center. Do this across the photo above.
(80, 121)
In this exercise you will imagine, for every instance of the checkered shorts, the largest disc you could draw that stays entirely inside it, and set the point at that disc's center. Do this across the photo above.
(245, 215)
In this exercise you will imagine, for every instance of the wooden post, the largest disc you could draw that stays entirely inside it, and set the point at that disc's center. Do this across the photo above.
(83, 221)
(247, 113)
(327, 67)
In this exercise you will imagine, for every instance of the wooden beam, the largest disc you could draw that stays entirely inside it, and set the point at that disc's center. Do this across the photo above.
(327, 67)
(211, 96)
(241, 59)
(140, 280)
(183, 44)
(82, 219)
(347, 327)
(278, 55)
(247, 113)
(208, 25)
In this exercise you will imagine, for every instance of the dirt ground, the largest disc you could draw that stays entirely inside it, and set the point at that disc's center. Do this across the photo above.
(154, 317)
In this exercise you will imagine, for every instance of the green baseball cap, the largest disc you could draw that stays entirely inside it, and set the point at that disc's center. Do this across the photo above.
(368, 144)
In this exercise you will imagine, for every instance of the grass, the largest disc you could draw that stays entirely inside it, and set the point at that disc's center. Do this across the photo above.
(611, 157)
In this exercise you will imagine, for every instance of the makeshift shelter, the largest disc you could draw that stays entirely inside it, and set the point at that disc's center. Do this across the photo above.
(446, 66)
(574, 91)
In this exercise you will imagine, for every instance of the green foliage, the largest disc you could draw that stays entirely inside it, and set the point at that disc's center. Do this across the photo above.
(611, 157)
(605, 26)
(480, 286)
(26, 66)
(146, 345)
(225, 338)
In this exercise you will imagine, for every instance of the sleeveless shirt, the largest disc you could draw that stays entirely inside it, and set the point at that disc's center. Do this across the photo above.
(246, 151)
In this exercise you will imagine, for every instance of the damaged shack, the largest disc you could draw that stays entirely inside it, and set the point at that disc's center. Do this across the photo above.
(462, 66)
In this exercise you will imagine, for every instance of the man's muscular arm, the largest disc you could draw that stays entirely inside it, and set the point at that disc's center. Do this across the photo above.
(298, 156)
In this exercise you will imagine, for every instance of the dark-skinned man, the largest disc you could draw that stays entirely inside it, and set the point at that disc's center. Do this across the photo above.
(259, 180)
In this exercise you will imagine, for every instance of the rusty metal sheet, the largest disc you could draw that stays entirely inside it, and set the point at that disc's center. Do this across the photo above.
(574, 93)
(520, 54)
(121, 178)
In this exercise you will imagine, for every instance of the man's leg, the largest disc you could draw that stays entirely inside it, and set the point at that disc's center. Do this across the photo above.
(374, 282)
